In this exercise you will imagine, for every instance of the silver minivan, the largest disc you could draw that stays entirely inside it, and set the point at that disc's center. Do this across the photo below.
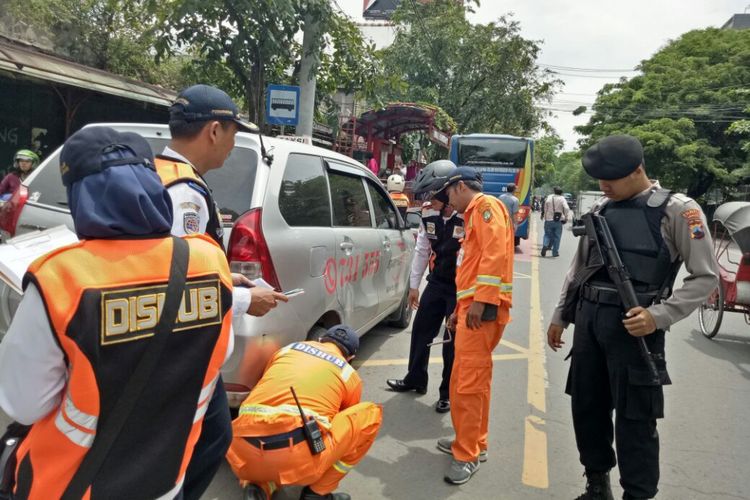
(311, 219)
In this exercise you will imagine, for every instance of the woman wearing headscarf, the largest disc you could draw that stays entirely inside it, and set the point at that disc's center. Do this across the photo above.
(90, 316)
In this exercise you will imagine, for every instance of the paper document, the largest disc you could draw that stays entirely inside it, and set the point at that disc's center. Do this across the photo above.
(17, 254)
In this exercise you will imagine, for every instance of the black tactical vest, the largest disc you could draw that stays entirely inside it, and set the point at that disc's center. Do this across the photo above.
(636, 228)
(444, 239)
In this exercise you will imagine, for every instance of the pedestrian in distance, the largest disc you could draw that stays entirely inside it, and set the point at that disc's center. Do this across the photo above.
(655, 230)
(372, 164)
(273, 444)
(24, 162)
(555, 212)
(106, 357)
(484, 277)
(203, 122)
(438, 243)
(511, 202)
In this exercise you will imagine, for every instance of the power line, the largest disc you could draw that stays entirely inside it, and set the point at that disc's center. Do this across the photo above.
(588, 70)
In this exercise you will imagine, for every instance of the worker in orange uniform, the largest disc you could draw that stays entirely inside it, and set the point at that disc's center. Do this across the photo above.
(270, 450)
(484, 275)
(395, 186)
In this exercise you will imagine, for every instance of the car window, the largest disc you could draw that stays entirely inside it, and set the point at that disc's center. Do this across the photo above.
(232, 184)
(413, 219)
(385, 214)
(303, 197)
(47, 188)
(350, 206)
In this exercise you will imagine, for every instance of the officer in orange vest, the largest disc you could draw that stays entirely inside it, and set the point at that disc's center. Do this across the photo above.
(484, 276)
(395, 186)
(87, 319)
(270, 448)
(203, 122)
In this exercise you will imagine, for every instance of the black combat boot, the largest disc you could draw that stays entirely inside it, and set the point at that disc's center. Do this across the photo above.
(308, 494)
(597, 487)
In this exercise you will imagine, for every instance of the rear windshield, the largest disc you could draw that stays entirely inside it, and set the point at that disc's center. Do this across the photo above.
(499, 152)
(232, 185)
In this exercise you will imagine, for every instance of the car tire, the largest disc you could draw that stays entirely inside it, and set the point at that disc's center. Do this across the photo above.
(402, 316)
(315, 333)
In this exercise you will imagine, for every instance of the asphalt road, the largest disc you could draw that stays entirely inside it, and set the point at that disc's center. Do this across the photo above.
(705, 440)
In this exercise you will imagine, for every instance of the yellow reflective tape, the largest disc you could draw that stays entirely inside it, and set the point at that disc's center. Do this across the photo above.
(486, 279)
(272, 486)
(342, 467)
(282, 410)
(462, 294)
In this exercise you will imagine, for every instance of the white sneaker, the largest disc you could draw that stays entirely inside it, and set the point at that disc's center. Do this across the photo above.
(445, 444)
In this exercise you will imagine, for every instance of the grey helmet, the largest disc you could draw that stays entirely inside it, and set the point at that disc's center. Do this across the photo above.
(432, 177)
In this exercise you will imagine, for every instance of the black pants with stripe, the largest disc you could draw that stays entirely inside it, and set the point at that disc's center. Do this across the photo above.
(437, 302)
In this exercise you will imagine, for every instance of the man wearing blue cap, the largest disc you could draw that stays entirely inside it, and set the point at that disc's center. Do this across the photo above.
(271, 448)
(654, 230)
(484, 291)
(101, 358)
(203, 122)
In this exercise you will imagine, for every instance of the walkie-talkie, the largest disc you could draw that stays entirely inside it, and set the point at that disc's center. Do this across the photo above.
(313, 436)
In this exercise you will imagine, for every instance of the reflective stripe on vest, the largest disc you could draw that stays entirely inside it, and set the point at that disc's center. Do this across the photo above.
(342, 467)
(78, 426)
(204, 398)
(257, 409)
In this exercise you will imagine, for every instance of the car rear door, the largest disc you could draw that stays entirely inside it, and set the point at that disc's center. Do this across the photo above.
(358, 246)
(397, 244)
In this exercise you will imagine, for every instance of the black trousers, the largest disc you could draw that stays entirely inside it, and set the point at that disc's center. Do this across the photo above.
(212, 445)
(608, 373)
(436, 303)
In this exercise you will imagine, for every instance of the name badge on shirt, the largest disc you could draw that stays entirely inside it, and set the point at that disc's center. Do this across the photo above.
(458, 232)
(460, 257)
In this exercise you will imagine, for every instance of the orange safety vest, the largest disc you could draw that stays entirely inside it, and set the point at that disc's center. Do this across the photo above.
(485, 261)
(400, 200)
(324, 382)
(103, 299)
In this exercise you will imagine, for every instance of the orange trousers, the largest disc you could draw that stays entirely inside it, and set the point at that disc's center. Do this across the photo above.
(350, 436)
(471, 383)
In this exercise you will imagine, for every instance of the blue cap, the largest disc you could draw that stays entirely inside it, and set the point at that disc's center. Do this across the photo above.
(462, 174)
(201, 103)
(344, 337)
(83, 152)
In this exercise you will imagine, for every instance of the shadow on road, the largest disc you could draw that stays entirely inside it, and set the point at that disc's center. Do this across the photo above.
(732, 348)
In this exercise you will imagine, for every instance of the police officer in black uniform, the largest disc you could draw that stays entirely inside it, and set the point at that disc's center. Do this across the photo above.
(438, 243)
(655, 231)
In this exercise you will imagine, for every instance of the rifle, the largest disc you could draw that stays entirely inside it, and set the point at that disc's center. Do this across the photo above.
(595, 227)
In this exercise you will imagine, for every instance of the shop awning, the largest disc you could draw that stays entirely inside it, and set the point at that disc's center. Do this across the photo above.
(31, 62)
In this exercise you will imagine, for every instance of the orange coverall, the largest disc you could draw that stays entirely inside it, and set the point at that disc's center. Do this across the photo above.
(484, 274)
(400, 200)
(328, 389)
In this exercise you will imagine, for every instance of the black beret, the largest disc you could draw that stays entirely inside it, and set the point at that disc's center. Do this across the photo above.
(82, 154)
(613, 157)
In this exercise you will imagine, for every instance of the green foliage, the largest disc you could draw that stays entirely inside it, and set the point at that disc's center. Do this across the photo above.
(546, 150)
(689, 108)
(484, 76)
(113, 35)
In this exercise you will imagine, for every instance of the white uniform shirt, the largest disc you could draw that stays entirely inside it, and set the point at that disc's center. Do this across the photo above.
(188, 205)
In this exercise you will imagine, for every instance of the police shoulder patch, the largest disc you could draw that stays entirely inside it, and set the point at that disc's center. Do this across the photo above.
(486, 215)
(191, 222)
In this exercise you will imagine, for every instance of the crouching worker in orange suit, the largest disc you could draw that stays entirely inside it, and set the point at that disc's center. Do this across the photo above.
(269, 449)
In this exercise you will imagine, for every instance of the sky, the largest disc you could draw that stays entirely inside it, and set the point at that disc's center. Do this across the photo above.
(595, 35)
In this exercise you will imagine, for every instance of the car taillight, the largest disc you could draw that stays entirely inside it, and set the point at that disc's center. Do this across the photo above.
(248, 251)
(10, 212)
(522, 214)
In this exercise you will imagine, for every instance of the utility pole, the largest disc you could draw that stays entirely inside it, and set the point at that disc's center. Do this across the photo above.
(308, 79)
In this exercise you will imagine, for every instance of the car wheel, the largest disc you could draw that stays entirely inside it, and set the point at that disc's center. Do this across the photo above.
(315, 333)
(404, 313)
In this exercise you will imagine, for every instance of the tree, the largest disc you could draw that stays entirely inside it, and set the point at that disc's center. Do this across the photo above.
(484, 76)
(687, 108)
(546, 150)
(255, 41)
(113, 35)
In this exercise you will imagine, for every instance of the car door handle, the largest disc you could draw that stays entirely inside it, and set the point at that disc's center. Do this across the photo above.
(387, 245)
(347, 247)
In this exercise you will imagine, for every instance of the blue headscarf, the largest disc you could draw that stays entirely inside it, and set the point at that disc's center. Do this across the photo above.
(120, 201)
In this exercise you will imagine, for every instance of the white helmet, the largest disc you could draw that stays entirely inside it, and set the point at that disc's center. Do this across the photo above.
(395, 184)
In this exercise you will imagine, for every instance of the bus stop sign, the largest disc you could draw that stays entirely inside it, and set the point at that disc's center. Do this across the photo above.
(282, 105)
